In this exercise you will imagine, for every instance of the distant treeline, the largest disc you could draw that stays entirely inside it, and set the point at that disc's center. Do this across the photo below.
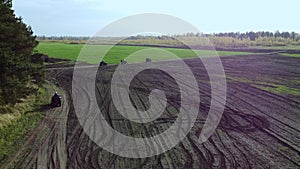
(255, 35)
(261, 38)
(68, 39)
(230, 39)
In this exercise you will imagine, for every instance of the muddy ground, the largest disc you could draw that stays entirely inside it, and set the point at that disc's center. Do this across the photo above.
(259, 128)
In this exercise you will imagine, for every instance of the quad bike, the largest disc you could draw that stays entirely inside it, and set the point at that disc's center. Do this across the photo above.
(148, 60)
(102, 63)
(56, 100)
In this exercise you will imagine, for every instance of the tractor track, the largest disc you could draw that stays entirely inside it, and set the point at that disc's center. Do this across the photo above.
(259, 129)
(46, 146)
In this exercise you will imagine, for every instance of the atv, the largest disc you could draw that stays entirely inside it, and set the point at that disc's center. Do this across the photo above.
(56, 100)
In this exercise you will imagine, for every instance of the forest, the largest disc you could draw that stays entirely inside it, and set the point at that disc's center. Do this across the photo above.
(20, 70)
(227, 39)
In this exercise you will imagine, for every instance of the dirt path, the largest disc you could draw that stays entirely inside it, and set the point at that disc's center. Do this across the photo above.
(46, 146)
(53, 152)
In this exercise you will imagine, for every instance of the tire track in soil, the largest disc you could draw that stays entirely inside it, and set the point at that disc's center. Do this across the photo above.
(249, 135)
(46, 146)
(222, 150)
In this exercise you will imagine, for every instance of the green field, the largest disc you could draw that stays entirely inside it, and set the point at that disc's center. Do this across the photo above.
(290, 55)
(288, 47)
(71, 52)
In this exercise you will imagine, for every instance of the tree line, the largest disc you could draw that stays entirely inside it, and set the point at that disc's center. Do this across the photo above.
(20, 70)
(254, 35)
(247, 39)
(227, 39)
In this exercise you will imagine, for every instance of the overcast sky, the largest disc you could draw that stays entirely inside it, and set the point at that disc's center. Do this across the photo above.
(86, 17)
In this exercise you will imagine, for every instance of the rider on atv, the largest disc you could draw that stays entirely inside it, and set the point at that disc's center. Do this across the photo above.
(56, 100)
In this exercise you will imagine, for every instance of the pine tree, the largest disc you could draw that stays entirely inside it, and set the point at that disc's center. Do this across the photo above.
(17, 68)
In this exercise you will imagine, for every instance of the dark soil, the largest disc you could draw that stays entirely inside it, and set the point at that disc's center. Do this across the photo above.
(259, 129)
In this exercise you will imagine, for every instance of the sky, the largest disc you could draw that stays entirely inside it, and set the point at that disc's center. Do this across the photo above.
(86, 17)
